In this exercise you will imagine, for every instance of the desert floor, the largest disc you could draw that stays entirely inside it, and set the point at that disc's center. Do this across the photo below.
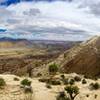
(12, 90)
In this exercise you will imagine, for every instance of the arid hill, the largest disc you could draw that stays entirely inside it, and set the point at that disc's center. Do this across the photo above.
(17, 55)
(83, 58)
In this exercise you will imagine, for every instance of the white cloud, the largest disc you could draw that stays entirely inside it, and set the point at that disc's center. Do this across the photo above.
(23, 18)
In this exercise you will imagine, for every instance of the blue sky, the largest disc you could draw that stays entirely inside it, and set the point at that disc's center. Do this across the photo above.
(50, 19)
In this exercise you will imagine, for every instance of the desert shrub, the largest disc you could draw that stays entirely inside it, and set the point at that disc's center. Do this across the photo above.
(77, 78)
(26, 86)
(62, 96)
(65, 81)
(85, 76)
(87, 95)
(2, 82)
(53, 68)
(84, 81)
(25, 82)
(72, 81)
(62, 76)
(48, 86)
(43, 80)
(28, 89)
(46, 80)
(95, 78)
(73, 91)
(95, 96)
(39, 74)
(16, 79)
(55, 82)
(95, 86)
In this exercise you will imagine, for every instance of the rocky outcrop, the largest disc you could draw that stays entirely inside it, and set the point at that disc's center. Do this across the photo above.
(83, 58)
(13, 66)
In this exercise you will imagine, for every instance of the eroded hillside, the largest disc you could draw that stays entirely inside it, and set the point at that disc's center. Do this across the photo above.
(83, 58)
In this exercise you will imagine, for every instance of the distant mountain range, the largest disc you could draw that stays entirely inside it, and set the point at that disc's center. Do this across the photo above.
(10, 39)
(50, 45)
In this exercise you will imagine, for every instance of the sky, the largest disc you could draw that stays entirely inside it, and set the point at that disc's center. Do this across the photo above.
(72, 20)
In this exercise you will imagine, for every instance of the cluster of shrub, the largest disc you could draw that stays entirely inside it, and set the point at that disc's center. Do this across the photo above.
(62, 80)
(25, 84)
(94, 86)
(73, 80)
(70, 90)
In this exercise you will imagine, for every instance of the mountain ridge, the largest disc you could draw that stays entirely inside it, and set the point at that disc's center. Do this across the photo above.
(83, 58)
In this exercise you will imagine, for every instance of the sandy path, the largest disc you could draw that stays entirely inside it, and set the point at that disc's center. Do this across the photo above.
(41, 92)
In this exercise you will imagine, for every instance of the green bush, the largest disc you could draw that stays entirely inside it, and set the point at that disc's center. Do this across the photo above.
(84, 81)
(62, 96)
(73, 91)
(16, 79)
(77, 78)
(95, 96)
(65, 81)
(62, 76)
(55, 82)
(89, 77)
(2, 82)
(25, 82)
(95, 86)
(72, 81)
(53, 68)
(46, 80)
(85, 76)
(48, 86)
(28, 89)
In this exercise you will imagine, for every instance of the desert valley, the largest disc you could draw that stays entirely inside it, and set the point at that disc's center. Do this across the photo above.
(48, 70)
(49, 49)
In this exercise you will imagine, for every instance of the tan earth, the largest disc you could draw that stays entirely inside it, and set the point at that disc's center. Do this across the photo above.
(12, 90)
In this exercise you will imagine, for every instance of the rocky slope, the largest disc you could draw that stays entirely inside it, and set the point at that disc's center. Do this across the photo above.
(83, 58)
